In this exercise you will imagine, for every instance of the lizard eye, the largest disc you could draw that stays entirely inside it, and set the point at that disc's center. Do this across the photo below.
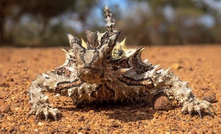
(120, 52)
(96, 52)
(82, 51)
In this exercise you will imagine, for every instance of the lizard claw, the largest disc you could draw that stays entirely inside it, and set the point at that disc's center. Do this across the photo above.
(200, 114)
(54, 113)
(210, 113)
(198, 106)
(46, 113)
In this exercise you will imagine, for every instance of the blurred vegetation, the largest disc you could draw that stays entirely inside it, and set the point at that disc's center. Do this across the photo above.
(144, 22)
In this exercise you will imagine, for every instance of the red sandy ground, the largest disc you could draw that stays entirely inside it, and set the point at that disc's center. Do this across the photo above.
(200, 65)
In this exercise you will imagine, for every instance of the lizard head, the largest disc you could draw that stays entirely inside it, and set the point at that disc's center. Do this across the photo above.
(91, 56)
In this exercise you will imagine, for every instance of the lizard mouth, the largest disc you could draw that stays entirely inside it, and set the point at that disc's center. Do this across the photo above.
(92, 69)
(88, 71)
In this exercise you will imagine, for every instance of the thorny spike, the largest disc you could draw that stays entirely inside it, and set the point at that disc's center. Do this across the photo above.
(139, 54)
(145, 61)
(83, 43)
(70, 69)
(156, 66)
(72, 40)
(100, 36)
(178, 77)
(166, 71)
(153, 72)
(57, 95)
(160, 80)
(113, 39)
(65, 49)
(45, 76)
(159, 71)
(138, 51)
(185, 82)
(189, 91)
(122, 45)
(91, 38)
(124, 70)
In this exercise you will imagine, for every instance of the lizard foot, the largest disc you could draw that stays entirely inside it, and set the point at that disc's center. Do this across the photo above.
(197, 106)
(45, 110)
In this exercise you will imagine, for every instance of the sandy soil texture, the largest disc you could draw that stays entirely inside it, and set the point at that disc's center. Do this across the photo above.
(200, 65)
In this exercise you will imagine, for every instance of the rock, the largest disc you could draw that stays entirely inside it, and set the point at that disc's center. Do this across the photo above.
(114, 124)
(4, 84)
(191, 69)
(161, 102)
(176, 66)
(174, 103)
(22, 128)
(69, 126)
(36, 130)
(11, 129)
(40, 124)
(193, 131)
(81, 118)
(210, 97)
(17, 109)
(5, 109)
(200, 131)
(87, 128)
(91, 111)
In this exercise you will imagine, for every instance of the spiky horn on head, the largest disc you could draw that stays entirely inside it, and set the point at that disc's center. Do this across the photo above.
(109, 20)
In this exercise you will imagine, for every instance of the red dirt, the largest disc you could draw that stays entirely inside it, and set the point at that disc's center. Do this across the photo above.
(200, 65)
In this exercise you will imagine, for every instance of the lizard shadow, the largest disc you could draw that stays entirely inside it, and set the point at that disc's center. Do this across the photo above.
(132, 111)
(126, 111)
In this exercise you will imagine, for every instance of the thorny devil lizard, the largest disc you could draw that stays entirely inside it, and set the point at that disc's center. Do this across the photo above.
(104, 70)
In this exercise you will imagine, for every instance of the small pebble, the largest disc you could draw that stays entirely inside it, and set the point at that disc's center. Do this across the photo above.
(81, 118)
(114, 124)
(162, 103)
(36, 130)
(176, 66)
(17, 109)
(40, 124)
(193, 131)
(210, 97)
(5, 109)
(69, 126)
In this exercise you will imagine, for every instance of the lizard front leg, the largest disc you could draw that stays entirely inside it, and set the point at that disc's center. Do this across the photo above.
(39, 101)
(173, 86)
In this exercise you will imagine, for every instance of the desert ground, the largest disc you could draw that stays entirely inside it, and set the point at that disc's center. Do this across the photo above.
(199, 65)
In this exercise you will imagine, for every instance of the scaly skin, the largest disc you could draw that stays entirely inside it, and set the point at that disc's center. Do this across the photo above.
(104, 70)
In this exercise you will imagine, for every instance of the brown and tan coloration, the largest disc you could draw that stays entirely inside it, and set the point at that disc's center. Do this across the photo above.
(104, 70)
